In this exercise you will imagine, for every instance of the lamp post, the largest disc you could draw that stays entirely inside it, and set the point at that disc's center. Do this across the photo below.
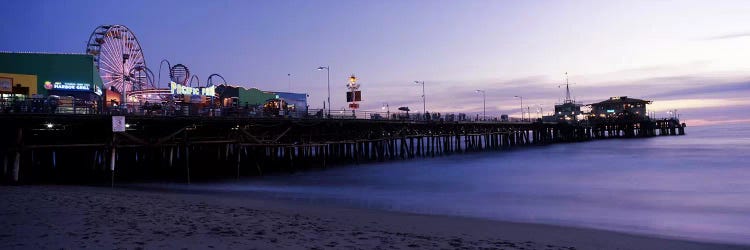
(388, 110)
(520, 97)
(528, 113)
(541, 112)
(424, 101)
(484, 103)
(328, 70)
(673, 114)
(289, 76)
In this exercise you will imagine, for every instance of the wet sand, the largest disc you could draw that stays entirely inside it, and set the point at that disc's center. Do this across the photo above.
(42, 217)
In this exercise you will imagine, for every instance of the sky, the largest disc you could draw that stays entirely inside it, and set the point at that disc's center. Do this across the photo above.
(684, 55)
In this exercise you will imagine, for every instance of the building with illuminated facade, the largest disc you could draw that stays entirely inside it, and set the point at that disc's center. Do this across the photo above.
(295, 104)
(27, 76)
(619, 106)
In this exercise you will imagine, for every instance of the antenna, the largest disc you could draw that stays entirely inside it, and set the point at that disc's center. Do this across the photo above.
(567, 89)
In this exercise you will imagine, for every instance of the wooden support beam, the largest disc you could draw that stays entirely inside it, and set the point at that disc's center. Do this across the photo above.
(282, 134)
(169, 137)
(238, 152)
(133, 138)
(17, 162)
(252, 137)
(187, 155)
(113, 159)
(89, 145)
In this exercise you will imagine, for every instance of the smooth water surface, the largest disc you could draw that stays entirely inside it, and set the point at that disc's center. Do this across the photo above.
(695, 186)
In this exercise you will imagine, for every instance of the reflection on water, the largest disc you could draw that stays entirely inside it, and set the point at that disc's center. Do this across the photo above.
(695, 186)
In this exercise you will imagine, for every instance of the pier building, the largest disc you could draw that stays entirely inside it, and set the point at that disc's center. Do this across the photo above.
(71, 80)
(236, 98)
(568, 111)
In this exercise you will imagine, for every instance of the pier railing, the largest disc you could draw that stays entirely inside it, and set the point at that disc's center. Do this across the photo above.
(74, 106)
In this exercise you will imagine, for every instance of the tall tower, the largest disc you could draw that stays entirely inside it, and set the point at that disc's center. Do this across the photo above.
(567, 89)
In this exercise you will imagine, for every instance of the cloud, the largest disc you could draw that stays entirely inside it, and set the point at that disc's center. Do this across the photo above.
(460, 96)
(659, 69)
(729, 36)
(669, 87)
(704, 98)
(699, 104)
(703, 90)
(712, 115)
(704, 122)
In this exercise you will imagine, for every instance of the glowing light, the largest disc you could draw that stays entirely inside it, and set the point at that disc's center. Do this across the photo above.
(179, 89)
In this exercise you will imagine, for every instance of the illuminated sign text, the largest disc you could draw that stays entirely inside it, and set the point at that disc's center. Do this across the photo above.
(80, 86)
(179, 89)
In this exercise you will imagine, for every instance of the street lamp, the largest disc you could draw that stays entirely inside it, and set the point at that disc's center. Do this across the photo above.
(424, 101)
(673, 114)
(388, 110)
(541, 111)
(328, 70)
(484, 103)
(289, 76)
(528, 113)
(520, 97)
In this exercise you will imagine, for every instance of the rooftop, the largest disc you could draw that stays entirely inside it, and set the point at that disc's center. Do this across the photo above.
(41, 53)
(621, 99)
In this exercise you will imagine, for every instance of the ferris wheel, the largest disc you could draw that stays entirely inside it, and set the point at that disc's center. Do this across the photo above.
(119, 58)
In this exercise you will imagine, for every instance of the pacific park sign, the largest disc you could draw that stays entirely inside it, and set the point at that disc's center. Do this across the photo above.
(179, 89)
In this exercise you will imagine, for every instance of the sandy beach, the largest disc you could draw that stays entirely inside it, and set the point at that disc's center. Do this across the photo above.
(45, 217)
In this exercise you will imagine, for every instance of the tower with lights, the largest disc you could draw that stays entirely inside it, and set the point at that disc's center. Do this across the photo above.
(354, 95)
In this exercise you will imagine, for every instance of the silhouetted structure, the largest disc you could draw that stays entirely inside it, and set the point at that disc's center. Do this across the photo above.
(83, 148)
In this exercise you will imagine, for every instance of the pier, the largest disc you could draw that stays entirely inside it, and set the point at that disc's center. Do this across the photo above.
(84, 148)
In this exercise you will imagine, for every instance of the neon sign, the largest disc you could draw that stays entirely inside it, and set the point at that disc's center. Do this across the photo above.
(179, 89)
(78, 86)
(610, 110)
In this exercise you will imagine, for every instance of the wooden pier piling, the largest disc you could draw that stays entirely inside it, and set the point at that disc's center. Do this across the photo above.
(217, 146)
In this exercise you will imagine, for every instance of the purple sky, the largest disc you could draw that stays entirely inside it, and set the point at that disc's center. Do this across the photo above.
(685, 55)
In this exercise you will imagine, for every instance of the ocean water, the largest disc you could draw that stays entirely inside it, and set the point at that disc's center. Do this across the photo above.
(692, 187)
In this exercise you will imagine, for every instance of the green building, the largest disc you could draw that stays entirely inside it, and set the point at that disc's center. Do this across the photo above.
(25, 75)
(240, 97)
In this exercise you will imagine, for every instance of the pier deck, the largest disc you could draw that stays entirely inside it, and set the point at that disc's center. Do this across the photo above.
(83, 148)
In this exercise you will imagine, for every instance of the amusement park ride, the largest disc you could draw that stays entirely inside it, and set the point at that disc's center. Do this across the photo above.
(122, 66)
(120, 61)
